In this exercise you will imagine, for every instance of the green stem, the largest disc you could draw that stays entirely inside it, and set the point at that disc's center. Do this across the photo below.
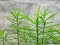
(30, 36)
(25, 41)
(43, 32)
(37, 36)
(17, 31)
(37, 31)
(18, 37)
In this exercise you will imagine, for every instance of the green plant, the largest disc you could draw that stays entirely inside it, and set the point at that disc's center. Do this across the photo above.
(47, 25)
(42, 25)
(36, 24)
(16, 21)
(38, 30)
(3, 37)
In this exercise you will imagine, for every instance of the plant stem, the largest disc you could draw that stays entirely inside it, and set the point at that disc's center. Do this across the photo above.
(25, 38)
(37, 23)
(37, 36)
(30, 36)
(43, 34)
(17, 31)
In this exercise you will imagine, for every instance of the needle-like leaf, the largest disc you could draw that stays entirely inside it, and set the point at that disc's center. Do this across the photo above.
(51, 16)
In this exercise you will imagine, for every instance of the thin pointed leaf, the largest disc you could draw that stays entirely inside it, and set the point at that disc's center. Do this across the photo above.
(38, 11)
(42, 19)
(28, 18)
(51, 16)
(6, 34)
(18, 12)
(11, 20)
(46, 13)
(13, 13)
(13, 26)
(53, 25)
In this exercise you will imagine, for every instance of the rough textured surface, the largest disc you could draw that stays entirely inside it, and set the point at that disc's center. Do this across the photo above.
(28, 7)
